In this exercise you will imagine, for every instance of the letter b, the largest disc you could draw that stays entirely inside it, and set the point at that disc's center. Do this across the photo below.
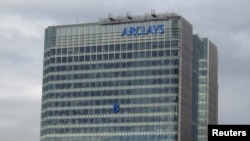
(116, 107)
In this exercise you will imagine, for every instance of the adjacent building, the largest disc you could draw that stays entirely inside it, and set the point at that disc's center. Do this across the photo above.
(131, 78)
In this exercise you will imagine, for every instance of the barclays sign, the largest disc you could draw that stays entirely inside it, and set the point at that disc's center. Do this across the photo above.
(142, 30)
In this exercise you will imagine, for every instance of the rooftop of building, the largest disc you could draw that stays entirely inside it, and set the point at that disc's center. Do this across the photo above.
(137, 18)
(110, 19)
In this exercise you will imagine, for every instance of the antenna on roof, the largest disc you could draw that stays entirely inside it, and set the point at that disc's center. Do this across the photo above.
(129, 15)
(153, 14)
(111, 18)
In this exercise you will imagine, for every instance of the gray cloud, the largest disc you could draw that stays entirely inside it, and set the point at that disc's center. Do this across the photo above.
(21, 47)
(22, 25)
(20, 119)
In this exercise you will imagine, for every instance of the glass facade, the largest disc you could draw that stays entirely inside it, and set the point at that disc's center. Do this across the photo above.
(205, 96)
(112, 82)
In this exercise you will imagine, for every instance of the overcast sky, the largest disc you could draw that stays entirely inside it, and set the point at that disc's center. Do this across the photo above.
(22, 24)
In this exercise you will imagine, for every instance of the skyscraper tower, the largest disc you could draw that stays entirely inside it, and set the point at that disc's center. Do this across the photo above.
(129, 78)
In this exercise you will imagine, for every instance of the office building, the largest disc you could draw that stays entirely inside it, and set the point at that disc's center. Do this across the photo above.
(205, 95)
(131, 78)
